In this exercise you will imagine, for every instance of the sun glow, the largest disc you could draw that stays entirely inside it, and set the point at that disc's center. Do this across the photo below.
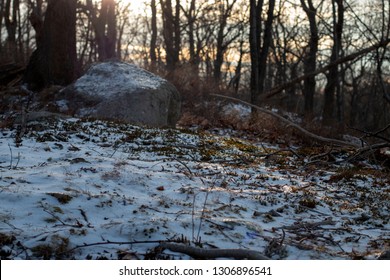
(136, 6)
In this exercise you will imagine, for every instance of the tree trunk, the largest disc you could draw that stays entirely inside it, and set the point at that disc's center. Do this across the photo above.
(267, 40)
(54, 60)
(36, 19)
(105, 28)
(254, 42)
(177, 32)
(171, 32)
(1, 21)
(225, 10)
(309, 64)
(235, 81)
(194, 59)
(258, 51)
(333, 74)
(11, 23)
(153, 40)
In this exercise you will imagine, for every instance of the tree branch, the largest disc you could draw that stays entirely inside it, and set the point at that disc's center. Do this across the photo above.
(341, 60)
(294, 125)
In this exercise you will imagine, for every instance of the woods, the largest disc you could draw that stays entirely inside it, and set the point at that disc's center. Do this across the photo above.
(324, 60)
(183, 129)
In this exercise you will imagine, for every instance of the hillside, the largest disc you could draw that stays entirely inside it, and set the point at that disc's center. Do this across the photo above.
(80, 189)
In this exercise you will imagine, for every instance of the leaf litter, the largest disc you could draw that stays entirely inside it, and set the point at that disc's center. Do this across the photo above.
(83, 189)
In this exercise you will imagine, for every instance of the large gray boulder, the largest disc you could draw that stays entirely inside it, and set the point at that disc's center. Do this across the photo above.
(124, 92)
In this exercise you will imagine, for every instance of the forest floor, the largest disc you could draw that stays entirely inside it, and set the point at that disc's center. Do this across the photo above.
(81, 189)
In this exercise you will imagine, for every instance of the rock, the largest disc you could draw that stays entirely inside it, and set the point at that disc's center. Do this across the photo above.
(124, 92)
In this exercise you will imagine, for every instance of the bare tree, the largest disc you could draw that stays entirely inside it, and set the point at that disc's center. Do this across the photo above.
(310, 60)
(171, 32)
(36, 19)
(381, 53)
(153, 40)
(104, 24)
(259, 47)
(225, 35)
(1, 18)
(11, 18)
(190, 15)
(199, 29)
(333, 81)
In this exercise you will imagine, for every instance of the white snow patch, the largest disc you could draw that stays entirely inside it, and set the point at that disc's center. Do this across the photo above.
(116, 77)
(241, 110)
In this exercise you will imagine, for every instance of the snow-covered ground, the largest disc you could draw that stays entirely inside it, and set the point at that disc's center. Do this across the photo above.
(75, 189)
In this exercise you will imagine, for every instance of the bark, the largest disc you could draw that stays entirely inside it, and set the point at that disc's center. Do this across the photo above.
(171, 32)
(105, 28)
(259, 50)
(153, 40)
(235, 81)
(54, 60)
(309, 64)
(36, 19)
(11, 23)
(267, 41)
(222, 42)
(1, 21)
(177, 32)
(254, 42)
(333, 74)
(194, 59)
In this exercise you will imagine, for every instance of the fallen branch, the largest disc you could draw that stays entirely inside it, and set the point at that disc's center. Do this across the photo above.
(367, 150)
(200, 253)
(375, 134)
(294, 125)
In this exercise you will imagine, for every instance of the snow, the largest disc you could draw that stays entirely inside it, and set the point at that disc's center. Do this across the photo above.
(83, 189)
(103, 79)
(241, 110)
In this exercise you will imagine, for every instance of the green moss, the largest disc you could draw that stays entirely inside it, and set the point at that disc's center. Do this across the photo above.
(240, 145)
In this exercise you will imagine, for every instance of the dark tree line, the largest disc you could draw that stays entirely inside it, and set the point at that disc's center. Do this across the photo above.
(324, 59)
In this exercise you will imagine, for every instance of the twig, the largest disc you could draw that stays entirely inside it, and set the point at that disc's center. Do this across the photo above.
(370, 149)
(10, 149)
(376, 133)
(185, 165)
(308, 225)
(115, 243)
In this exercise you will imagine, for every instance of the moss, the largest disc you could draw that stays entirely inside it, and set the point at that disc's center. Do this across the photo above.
(62, 198)
(309, 151)
(50, 220)
(6, 239)
(308, 202)
(240, 145)
(56, 248)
